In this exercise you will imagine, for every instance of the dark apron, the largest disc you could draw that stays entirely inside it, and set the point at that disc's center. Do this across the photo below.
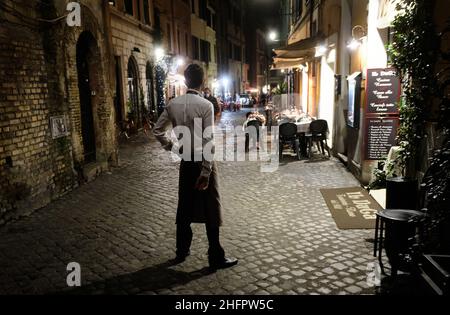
(196, 206)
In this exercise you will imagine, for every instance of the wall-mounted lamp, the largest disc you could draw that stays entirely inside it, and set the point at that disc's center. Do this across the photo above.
(159, 53)
(358, 34)
(273, 36)
(321, 50)
(225, 82)
(180, 62)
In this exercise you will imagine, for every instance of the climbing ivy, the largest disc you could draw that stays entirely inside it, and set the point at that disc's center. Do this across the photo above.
(413, 53)
(416, 52)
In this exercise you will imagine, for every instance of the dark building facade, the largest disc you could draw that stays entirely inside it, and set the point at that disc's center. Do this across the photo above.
(231, 46)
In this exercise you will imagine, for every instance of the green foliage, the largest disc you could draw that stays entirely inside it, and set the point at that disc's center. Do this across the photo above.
(280, 89)
(380, 179)
(384, 171)
(63, 144)
(130, 110)
(413, 53)
(416, 52)
(437, 181)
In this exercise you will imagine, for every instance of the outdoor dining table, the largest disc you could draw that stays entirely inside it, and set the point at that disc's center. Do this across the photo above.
(302, 129)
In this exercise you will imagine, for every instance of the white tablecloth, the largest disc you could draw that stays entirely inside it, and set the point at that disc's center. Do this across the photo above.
(303, 127)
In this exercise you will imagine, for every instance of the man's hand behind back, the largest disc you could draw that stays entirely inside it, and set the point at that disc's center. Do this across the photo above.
(202, 183)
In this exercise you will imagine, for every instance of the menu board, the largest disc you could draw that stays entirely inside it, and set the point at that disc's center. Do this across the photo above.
(380, 137)
(383, 91)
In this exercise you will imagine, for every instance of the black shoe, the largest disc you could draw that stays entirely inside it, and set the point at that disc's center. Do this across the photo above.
(224, 264)
(180, 258)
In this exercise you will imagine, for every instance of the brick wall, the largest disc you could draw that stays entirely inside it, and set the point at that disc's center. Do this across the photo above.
(39, 80)
(33, 168)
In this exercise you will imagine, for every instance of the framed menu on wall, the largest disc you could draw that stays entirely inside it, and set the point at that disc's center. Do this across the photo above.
(383, 91)
(381, 134)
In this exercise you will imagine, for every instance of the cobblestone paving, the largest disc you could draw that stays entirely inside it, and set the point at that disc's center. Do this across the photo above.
(121, 229)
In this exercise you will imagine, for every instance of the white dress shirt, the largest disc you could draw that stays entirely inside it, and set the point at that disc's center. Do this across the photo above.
(196, 113)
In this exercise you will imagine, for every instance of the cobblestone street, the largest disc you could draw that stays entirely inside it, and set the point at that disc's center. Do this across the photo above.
(121, 229)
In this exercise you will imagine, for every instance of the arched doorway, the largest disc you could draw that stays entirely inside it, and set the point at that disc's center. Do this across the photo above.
(87, 73)
(134, 108)
(150, 88)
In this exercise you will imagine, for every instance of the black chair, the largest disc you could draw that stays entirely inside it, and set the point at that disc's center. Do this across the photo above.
(394, 229)
(318, 134)
(288, 136)
(252, 133)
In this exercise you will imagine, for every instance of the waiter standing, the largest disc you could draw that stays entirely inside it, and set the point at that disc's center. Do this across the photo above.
(199, 198)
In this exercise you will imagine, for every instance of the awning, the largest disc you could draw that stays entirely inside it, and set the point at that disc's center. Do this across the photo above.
(387, 12)
(300, 49)
(293, 55)
(287, 63)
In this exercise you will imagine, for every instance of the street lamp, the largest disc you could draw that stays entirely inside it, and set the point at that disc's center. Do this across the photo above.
(354, 44)
(321, 50)
(180, 61)
(159, 53)
(225, 85)
(356, 41)
(273, 36)
(225, 82)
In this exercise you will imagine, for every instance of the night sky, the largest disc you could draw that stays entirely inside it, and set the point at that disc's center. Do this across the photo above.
(267, 13)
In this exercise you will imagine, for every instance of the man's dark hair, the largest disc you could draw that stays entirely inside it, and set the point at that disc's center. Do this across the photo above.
(194, 76)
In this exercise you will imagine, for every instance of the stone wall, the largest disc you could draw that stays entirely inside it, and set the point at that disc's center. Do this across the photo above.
(38, 81)
(131, 39)
(33, 168)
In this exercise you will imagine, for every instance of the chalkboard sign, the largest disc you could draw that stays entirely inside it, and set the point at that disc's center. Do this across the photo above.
(383, 91)
(380, 137)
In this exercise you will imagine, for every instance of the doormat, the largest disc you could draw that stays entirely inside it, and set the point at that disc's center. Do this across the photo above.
(351, 208)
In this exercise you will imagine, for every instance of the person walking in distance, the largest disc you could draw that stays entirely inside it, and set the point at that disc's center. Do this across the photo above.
(215, 102)
(199, 197)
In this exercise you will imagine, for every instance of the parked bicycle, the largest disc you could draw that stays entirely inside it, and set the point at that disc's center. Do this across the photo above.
(125, 128)
(148, 122)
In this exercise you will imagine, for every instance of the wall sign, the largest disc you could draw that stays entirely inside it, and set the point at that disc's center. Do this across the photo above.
(354, 99)
(58, 126)
(381, 134)
(383, 91)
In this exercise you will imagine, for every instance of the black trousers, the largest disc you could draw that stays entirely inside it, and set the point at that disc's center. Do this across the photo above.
(184, 241)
